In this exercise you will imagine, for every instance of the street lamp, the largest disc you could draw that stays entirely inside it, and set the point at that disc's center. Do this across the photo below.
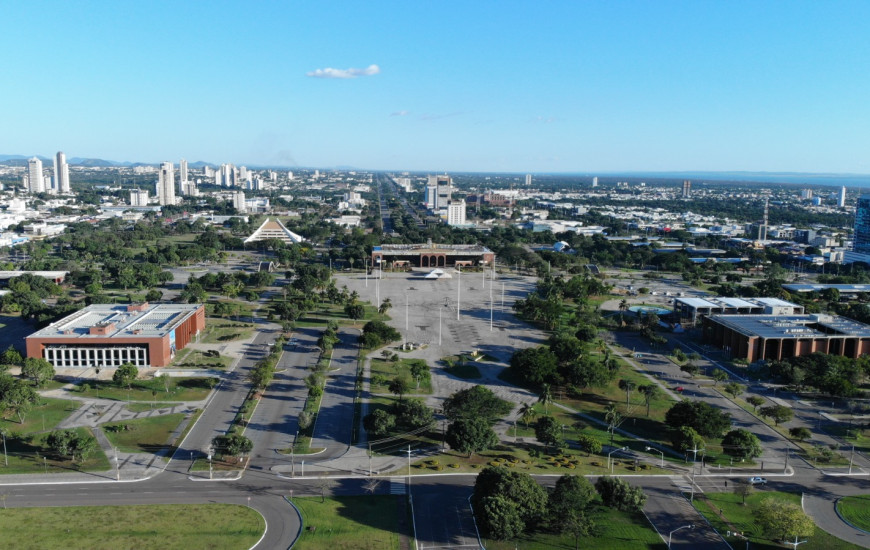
(659, 452)
(609, 464)
(671, 534)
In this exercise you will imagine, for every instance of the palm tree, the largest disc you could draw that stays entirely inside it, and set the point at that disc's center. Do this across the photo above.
(613, 419)
(627, 386)
(546, 397)
(385, 306)
(623, 305)
(650, 392)
(527, 413)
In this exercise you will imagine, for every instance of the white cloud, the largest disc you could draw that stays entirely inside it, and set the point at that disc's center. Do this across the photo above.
(400, 113)
(344, 73)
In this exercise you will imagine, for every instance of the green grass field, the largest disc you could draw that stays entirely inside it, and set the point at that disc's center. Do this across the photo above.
(616, 531)
(180, 389)
(145, 435)
(464, 371)
(31, 455)
(158, 527)
(197, 359)
(856, 510)
(220, 331)
(741, 519)
(42, 418)
(350, 523)
(385, 371)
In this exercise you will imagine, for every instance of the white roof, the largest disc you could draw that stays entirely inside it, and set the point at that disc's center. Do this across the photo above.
(773, 302)
(736, 302)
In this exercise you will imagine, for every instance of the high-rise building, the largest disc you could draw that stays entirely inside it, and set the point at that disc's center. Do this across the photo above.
(138, 197)
(807, 194)
(182, 172)
(166, 184)
(528, 180)
(687, 189)
(595, 181)
(444, 187)
(456, 212)
(61, 174)
(239, 200)
(841, 198)
(35, 179)
(861, 239)
(431, 196)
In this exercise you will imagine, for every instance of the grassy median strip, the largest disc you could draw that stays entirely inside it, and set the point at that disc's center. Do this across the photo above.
(856, 510)
(157, 527)
(349, 523)
(144, 435)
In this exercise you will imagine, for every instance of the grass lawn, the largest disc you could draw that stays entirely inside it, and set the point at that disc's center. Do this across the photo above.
(350, 523)
(157, 527)
(856, 510)
(383, 373)
(617, 531)
(144, 435)
(218, 331)
(42, 418)
(854, 436)
(741, 519)
(31, 455)
(180, 389)
(197, 359)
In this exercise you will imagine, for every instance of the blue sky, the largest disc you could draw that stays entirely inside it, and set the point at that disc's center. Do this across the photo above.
(443, 86)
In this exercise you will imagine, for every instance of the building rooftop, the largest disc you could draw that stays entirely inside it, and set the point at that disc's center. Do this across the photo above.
(793, 326)
(119, 321)
(820, 287)
(430, 247)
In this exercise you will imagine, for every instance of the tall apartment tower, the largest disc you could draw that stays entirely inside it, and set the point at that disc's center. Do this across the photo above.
(528, 180)
(595, 181)
(841, 198)
(444, 187)
(687, 189)
(861, 238)
(138, 197)
(456, 212)
(61, 174)
(431, 196)
(182, 171)
(166, 184)
(35, 179)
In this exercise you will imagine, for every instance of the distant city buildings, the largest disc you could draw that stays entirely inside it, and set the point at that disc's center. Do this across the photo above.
(35, 178)
(528, 180)
(456, 212)
(687, 189)
(138, 197)
(841, 198)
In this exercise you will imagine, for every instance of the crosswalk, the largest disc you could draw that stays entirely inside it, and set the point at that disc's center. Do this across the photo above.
(397, 486)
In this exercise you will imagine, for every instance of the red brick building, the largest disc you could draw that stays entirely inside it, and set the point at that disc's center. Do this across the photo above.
(107, 336)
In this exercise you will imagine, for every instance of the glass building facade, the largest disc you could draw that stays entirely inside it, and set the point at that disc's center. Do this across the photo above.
(861, 240)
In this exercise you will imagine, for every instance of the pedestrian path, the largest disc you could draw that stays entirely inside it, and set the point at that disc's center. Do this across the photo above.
(398, 486)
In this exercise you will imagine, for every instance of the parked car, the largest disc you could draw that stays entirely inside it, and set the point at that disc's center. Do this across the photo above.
(679, 389)
(757, 481)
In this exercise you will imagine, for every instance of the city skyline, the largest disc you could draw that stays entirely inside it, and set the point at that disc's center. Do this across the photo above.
(558, 88)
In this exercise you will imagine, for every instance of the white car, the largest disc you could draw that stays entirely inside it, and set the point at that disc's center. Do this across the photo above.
(757, 481)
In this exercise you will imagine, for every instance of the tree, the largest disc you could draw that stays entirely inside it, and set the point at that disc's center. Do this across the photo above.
(650, 392)
(385, 306)
(743, 489)
(527, 413)
(741, 444)
(355, 311)
(703, 417)
(686, 438)
(719, 375)
(691, 369)
(419, 370)
(500, 518)
(37, 369)
(613, 418)
(11, 356)
(471, 435)
(519, 488)
(412, 414)
(734, 389)
(589, 444)
(476, 402)
(777, 413)
(233, 444)
(569, 505)
(399, 386)
(549, 431)
(783, 519)
(617, 493)
(627, 386)
(379, 422)
(17, 396)
(755, 401)
(535, 366)
(545, 397)
(125, 375)
(800, 433)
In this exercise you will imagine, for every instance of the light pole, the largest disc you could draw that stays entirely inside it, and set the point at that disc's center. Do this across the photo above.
(458, 290)
(210, 471)
(671, 534)
(794, 544)
(609, 463)
(117, 465)
(439, 326)
(659, 452)
(851, 458)
(5, 456)
(292, 458)
(406, 317)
